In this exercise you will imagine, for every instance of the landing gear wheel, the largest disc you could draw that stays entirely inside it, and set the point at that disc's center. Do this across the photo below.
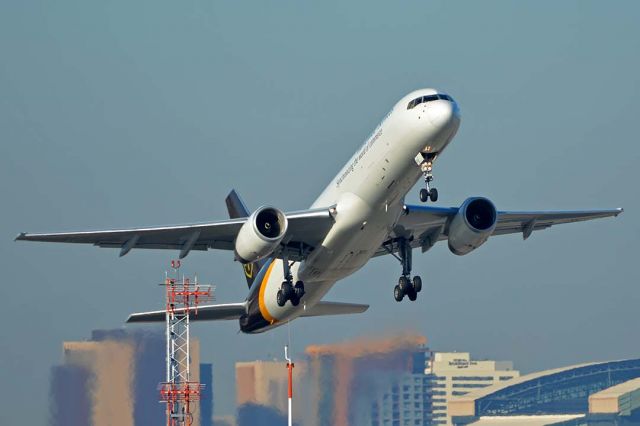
(424, 195)
(287, 290)
(299, 290)
(417, 284)
(433, 195)
(403, 283)
(412, 295)
(280, 299)
(398, 294)
(295, 300)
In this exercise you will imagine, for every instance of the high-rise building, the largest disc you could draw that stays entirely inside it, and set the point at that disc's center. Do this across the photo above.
(367, 382)
(405, 401)
(451, 374)
(261, 390)
(206, 400)
(113, 379)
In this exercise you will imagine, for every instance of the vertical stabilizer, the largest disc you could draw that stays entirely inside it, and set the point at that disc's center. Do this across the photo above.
(237, 208)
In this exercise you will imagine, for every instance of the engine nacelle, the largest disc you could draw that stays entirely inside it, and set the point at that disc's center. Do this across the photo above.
(472, 225)
(260, 234)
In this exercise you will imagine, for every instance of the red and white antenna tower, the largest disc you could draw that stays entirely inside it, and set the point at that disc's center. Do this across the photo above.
(290, 387)
(179, 392)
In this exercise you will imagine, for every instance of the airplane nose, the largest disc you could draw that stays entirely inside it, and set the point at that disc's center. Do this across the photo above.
(443, 113)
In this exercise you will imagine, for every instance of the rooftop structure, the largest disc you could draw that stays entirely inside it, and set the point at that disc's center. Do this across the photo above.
(620, 399)
(585, 390)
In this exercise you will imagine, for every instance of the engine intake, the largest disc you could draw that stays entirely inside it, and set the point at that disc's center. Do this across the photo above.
(472, 225)
(260, 235)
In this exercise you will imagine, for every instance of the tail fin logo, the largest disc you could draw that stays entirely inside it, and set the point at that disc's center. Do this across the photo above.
(249, 269)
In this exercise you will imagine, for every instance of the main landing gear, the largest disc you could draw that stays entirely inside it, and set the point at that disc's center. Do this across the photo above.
(406, 286)
(288, 291)
(428, 193)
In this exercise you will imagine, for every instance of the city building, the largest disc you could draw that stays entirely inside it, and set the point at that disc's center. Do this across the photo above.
(262, 388)
(113, 379)
(206, 398)
(600, 393)
(451, 374)
(367, 382)
(405, 402)
(224, 421)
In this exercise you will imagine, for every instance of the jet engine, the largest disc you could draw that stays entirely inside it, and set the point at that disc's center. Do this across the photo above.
(260, 235)
(472, 225)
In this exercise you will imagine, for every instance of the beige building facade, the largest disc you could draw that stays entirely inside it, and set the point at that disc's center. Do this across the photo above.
(266, 383)
(454, 374)
(112, 368)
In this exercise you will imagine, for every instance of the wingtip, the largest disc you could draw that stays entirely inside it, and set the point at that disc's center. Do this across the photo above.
(132, 318)
(21, 236)
(618, 211)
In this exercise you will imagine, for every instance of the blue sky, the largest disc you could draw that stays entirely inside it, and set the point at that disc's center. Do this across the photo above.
(140, 113)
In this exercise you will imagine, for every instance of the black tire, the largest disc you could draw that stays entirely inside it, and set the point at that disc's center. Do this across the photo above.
(295, 300)
(403, 283)
(412, 295)
(424, 195)
(417, 283)
(299, 289)
(280, 299)
(398, 294)
(433, 195)
(287, 290)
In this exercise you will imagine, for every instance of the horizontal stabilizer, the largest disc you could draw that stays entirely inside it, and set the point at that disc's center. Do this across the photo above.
(334, 308)
(228, 311)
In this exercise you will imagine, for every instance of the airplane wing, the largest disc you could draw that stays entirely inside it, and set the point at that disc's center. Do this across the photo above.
(307, 228)
(424, 225)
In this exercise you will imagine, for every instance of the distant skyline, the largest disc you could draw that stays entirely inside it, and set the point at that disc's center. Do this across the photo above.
(141, 113)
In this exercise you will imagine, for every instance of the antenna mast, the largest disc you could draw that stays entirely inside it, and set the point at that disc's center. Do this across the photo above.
(179, 392)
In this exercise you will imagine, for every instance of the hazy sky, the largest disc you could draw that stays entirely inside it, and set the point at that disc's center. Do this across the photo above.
(123, 113)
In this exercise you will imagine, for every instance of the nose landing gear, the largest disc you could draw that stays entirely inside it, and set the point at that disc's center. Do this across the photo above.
(406, 286)
(428, 193)
(287, 290)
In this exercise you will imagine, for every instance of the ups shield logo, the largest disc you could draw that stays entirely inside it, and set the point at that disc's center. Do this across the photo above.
(249, 269)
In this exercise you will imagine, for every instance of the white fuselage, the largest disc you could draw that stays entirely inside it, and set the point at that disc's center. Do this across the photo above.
(368, 195)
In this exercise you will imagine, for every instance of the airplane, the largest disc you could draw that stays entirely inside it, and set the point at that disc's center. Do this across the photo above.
(291, 260)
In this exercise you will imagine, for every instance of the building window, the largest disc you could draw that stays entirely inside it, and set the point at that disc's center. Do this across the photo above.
(472, 378)
(470, 385)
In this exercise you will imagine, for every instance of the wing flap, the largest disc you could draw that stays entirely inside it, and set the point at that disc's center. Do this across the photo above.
(228, 311)
(423, 226)
(307, 229)
(334, 308)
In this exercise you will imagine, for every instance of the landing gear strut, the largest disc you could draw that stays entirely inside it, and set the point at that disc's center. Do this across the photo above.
(288, 291)
(406, 286)
(428, 193)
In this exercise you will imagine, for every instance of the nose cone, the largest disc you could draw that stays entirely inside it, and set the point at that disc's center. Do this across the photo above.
(443, 114)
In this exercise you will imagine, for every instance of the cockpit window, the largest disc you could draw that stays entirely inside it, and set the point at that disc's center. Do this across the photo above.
(428, 98)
